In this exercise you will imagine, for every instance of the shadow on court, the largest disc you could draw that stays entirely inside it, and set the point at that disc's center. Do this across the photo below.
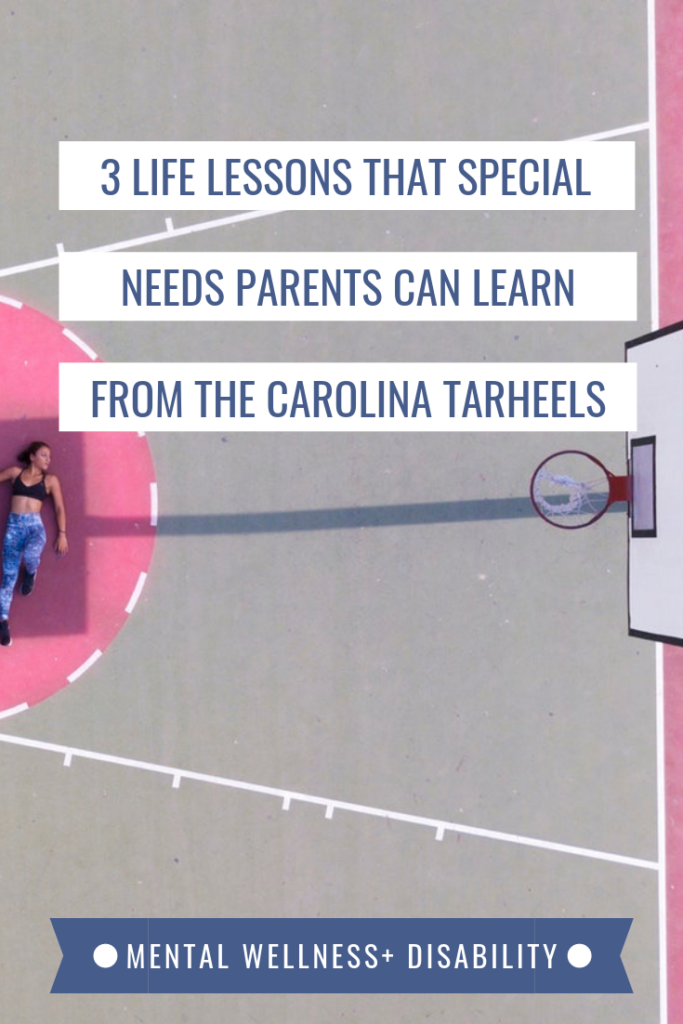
(352, 518)
(418, 514)
(58, 605)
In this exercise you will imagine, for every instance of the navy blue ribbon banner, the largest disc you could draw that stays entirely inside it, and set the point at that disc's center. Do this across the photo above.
(351, 955)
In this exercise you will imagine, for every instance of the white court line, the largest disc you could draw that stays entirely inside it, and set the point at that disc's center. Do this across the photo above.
(614, 133)
(81, 344)
(654, 213)
(11, 302)
(210, 225)
(21, 268)
(84, 668)
(14, 711)
(136, 593)
(661, 833)
(286, 796)
(159, 236)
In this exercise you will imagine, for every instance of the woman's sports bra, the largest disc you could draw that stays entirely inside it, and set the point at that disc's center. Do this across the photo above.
(36, 491)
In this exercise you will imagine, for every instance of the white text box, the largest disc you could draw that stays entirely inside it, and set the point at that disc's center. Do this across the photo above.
(347, 175)
(379, 286)
(347, 396)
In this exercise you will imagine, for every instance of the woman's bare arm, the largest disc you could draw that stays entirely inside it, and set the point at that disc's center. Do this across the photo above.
(54, 489)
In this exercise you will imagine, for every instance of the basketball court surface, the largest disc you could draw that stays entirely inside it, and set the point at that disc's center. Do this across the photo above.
(340, 675)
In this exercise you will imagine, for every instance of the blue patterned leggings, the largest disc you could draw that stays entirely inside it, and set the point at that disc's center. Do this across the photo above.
(24, 538)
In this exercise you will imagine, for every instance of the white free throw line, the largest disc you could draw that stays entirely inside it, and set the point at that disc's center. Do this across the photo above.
(210, 225)
(614, 133)
(159, 236)
(287, 796)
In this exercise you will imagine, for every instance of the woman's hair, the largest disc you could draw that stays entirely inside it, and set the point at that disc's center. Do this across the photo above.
(25, 456)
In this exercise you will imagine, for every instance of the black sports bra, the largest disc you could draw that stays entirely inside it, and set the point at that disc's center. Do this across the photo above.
(37, 491)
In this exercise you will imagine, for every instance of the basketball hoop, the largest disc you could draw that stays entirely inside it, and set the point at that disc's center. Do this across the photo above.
(572, 489)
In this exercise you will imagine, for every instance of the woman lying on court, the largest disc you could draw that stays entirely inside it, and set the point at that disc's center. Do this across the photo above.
(25, 535)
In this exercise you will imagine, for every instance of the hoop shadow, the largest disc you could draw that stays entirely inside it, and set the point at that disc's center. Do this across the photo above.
(304, 520)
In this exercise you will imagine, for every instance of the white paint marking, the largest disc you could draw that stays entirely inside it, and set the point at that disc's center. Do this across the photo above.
(11, 302)
(176, 781)
(81, 344)
(141, 433)
(629, 129)
(654, 207)
(60, 248)
(439, 833)
(84, 667)
(23, 268)
(14, 711)
(191, 229)
(661, 834)
(67, 758)
(331, 806)
(286, 802)
(136, 593)
(169, 225)
(153, 504)
(220, 222)
(129, 243)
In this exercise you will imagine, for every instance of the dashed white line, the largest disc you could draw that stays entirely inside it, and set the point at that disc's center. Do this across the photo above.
(84, 667)
(136, 593)
(13, 711)
(286, 796)
(81, 344)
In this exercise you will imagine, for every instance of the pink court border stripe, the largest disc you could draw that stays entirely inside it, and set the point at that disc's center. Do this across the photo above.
(667, 170)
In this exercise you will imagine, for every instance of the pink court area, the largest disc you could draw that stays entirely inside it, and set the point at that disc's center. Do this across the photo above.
(82, 600)
(669, 84)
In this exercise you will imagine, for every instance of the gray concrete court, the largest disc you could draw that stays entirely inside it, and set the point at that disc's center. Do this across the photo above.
(376, 619)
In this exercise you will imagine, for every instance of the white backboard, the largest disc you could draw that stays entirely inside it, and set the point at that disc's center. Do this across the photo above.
(655, 458)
